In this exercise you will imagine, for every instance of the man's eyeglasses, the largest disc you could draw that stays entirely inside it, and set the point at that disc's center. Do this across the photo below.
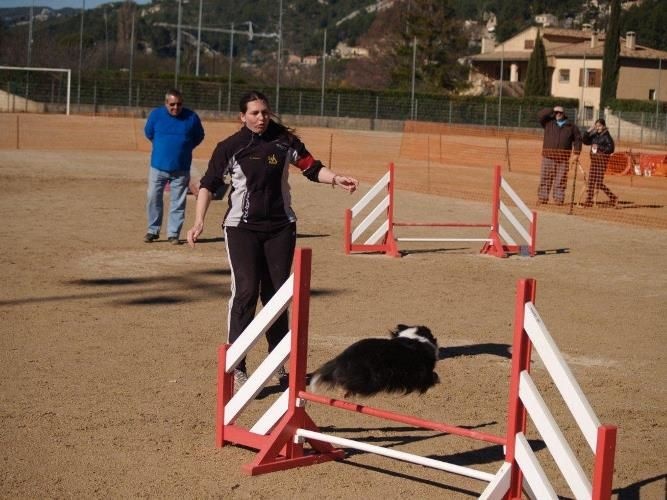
(174, 104)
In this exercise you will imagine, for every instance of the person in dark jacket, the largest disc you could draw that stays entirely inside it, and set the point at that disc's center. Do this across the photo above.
(602, 146)
(561, 139)
(259, 225)
(174, 132)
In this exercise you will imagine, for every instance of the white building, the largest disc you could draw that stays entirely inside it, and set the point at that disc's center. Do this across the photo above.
(574, 58)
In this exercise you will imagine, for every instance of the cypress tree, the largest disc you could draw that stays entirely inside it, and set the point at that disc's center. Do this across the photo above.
(610, 59)
(537, 74)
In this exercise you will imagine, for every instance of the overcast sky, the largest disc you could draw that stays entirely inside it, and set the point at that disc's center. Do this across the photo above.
(57, 4)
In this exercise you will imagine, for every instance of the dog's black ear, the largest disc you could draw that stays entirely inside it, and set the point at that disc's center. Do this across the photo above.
(424, 330)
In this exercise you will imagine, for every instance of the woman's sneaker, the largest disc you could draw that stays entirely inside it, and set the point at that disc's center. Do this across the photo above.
(281, 377)
(240, 378)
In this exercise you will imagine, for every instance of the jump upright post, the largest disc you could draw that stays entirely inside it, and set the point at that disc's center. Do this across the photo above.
(281, 433)
(370, 225)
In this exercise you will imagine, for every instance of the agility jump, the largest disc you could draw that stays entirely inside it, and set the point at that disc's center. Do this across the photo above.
(377, 225)
(281, 432)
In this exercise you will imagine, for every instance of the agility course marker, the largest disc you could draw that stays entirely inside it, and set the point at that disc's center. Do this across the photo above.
(399, 455)
(383, 239)
(525, 400)
(281, 433)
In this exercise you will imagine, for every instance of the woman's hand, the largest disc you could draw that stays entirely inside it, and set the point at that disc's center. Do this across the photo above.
(194, 232)
(350, 184)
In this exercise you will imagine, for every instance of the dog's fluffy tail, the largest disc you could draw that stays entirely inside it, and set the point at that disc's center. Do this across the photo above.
(323, 377)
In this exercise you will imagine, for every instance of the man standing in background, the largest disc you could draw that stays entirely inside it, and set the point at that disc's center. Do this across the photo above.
(560, 137)
(175, 132)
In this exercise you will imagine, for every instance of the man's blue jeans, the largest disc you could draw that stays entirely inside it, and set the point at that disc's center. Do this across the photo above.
(553, 173)
(157, 181)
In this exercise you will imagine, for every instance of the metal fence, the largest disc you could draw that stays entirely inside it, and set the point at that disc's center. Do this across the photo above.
(100, 95)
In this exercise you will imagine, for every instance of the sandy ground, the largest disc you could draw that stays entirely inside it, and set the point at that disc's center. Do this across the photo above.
(108, 345)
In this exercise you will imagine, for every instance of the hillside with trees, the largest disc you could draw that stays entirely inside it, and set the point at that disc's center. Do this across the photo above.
(446, 31)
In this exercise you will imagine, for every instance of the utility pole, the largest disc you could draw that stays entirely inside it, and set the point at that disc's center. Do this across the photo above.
(279, 58)
(500, 90)
(78, 89)
(324, 64)
(229, 78)
(27, 73)
(106, 37)
(129, 99)
(199, 37)
(249, 32)
(178, 43)
(30, 33)
(414, 70)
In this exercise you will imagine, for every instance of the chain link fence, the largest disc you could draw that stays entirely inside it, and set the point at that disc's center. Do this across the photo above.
(23, 91)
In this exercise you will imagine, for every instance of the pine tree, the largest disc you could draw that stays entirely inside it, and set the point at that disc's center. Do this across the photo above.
(610, 59)
(440, 41)
(537, 74)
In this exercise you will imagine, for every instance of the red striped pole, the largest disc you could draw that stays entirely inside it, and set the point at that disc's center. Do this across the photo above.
(521, 349)
(401, 418)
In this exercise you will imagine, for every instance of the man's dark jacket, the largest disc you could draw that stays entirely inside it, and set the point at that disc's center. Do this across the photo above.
(558, 138)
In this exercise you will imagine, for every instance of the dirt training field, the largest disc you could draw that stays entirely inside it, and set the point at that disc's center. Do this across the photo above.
(108, 344)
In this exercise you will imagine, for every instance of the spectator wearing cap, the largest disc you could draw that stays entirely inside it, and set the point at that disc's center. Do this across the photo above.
(562, 139)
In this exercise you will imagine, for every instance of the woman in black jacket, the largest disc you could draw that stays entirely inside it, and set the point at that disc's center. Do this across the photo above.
(602, 146)
(260, 225)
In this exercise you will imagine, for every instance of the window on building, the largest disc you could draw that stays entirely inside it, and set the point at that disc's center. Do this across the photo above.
(592, 78)
(588, 112)
(564, 76)
(651, 95)
(529, 44)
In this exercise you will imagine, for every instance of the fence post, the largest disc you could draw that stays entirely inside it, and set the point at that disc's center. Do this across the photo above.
(641, 130)
(485, 110)
(95, 98)
(450, 112)
(520, 110)
(300, 97)
(377, 106)
(219, 99)
(337, 105)
(136, 102)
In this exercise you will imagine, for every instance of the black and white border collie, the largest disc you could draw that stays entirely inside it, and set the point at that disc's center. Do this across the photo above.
(401, 364)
